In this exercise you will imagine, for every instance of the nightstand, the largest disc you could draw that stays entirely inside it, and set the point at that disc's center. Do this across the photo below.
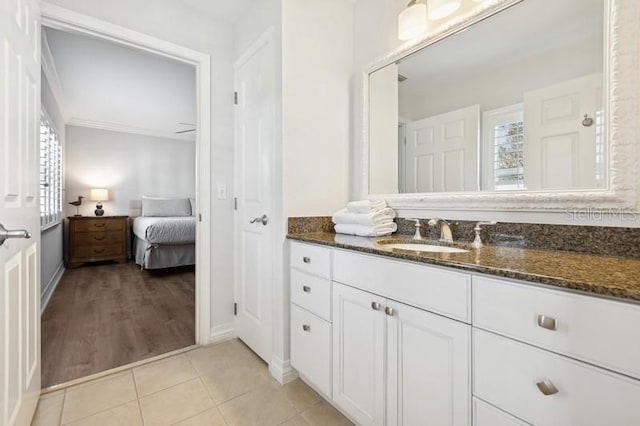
(96, 239)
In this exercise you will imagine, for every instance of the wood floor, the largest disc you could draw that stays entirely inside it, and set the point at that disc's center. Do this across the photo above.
(105, 316)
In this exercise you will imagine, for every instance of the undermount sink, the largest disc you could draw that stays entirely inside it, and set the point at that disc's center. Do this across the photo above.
(429, 248)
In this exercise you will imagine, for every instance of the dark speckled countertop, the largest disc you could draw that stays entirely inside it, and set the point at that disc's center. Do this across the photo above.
(600, 275)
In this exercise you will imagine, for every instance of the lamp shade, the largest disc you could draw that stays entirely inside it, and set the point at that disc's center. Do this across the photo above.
(438, 9)
(99, 194)
(412, 22)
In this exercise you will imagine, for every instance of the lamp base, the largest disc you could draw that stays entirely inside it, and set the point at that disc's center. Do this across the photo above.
(98, 211)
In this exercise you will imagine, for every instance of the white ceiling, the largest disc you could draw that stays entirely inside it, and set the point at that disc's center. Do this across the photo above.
(224, 10)
(114, 86)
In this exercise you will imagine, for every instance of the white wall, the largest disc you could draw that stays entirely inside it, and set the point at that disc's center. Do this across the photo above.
(52, 260)
(170, 21)
(129, 165)
(375, 35)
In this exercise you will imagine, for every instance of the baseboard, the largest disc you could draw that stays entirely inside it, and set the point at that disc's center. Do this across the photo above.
(222, 333)
(282, 370)
(50, 287)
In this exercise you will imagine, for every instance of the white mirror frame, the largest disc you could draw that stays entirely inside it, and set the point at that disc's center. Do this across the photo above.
(622, 95)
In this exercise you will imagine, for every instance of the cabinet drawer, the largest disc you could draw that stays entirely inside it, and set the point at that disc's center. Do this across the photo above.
(97, 238)
(508, 374)
(95, 252)
(311, 293)
(311, 349)
(99, 225)
(488, 415)
(437, 290)
(311, 259)
(599, 331)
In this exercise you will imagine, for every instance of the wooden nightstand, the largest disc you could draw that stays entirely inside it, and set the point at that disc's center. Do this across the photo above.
(95, 239)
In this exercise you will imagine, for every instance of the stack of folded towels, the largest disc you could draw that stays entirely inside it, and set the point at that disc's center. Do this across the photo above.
(365, 218)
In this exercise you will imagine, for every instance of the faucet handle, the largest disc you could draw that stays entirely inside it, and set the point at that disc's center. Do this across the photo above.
(477, 242)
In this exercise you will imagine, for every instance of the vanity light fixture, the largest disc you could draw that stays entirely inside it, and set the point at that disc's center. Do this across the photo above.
(412, 22)
(438, 9)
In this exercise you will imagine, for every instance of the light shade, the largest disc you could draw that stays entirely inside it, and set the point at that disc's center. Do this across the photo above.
(99, 194)
(438, 9)
(412, 22)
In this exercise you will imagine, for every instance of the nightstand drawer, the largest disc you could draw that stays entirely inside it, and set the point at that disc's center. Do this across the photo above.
(93, 252)
(93, 225)
(98, 238)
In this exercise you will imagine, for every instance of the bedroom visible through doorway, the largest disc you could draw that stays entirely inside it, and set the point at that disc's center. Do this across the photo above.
(118, 188)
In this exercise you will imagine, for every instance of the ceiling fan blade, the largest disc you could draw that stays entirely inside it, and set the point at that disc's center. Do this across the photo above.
(187, 124)
(186, 131)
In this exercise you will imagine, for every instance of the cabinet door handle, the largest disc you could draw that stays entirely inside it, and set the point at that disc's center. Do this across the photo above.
(549, 323)
(306, 259)
(375, 306)
(306, 289)
(547, 387)
(389, 311)
(306, 327)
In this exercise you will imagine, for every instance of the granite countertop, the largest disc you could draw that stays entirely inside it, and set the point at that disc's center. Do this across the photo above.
(600, 275)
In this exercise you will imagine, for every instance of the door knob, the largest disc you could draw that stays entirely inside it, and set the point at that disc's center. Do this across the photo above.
(264, 220)
(18, 233)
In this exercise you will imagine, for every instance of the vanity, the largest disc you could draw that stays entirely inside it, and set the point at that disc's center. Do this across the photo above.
(395, 337)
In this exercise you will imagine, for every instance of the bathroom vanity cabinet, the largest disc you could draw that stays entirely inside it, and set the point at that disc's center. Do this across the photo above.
(391, 342)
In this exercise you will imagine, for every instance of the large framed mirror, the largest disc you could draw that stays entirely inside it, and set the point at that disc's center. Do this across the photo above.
(521, 104)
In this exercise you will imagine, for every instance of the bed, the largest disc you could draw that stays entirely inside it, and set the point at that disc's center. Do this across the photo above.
(164, 233)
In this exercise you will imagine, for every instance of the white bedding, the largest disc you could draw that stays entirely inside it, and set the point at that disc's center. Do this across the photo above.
(165, 230)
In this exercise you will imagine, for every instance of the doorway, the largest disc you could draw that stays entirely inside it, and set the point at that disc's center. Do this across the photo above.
(61, 20)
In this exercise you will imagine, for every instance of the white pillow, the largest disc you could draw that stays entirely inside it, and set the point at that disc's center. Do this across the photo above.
(164, 207)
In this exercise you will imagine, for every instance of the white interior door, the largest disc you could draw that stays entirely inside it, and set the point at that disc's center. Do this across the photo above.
(19, 210)
(559, 151)
(255, 80)
(442, 152)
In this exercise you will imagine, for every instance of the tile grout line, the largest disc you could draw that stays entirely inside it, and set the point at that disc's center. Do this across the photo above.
(64, 400)
(135, 385)
(97, 412)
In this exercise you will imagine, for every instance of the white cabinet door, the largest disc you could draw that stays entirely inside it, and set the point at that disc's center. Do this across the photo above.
(428, 368)
(358, 354)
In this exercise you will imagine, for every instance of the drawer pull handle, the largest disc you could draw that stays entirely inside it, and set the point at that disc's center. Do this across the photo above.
(98, 251)
(306, 259)
(306, 289)
(99, 225)
(389, 311)
(99, 238)
(547, 387)
(375, 306)
(306, 327)
(549, 323)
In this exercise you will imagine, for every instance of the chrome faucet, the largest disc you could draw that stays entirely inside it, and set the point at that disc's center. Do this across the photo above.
(445, 230)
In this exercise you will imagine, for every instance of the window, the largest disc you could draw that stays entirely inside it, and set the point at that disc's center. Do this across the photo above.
(50, 173)
(504, 138)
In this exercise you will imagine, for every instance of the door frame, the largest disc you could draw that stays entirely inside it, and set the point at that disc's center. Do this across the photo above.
(67, 20)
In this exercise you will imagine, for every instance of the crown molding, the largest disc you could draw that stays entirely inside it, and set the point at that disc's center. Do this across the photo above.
(123, 128)
(51, 73)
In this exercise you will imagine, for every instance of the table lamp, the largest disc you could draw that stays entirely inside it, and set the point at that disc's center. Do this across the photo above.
(99, 195)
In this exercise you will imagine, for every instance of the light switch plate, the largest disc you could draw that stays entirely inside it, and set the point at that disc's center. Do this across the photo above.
(222, 191)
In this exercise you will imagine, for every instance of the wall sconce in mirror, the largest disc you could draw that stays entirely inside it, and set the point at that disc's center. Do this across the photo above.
(412, 22)
(99, 195)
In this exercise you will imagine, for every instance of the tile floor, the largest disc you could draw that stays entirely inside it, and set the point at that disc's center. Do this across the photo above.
(223, 384)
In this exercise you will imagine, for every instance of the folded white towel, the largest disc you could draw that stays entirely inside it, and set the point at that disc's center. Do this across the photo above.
(379, 217)
(366, 206)
(367, 231)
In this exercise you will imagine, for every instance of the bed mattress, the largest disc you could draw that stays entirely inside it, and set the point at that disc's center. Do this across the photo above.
(165, 230)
